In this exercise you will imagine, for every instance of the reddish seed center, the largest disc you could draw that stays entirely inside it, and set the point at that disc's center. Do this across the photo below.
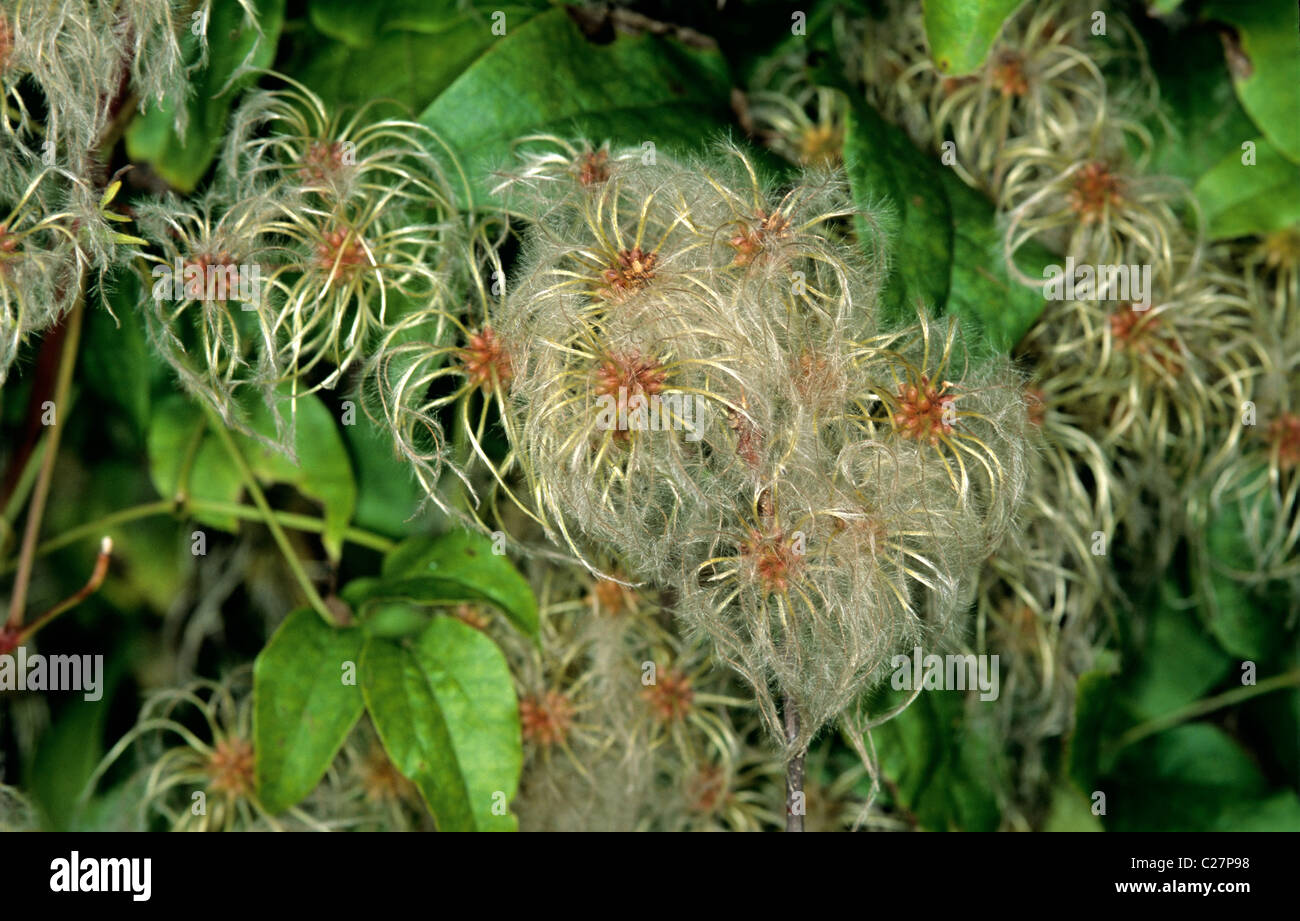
(1126, 326)
(631, 373)
(381, 780)
(1095, 188)
(340, 252)
(632, 270)
(231, 766)
(593, 167)
(472, 616)
(670, 697)
(1141, 333)
(773, 562)
(820, 145)
(1036, 405)
(218, 288)
(1019, 625)
(924, 411)
(1285, 434)
(748, 438)
(611, 597)
(1282, 248)
(705, 790)
(754, 237)
(1008, 74)
(546, 719)
(485, 358)
(323, 161)
(6, 43)
(952, 84)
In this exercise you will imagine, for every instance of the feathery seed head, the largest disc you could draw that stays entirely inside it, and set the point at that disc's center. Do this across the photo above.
(1094, 190)
(671, 696)
(546, 719)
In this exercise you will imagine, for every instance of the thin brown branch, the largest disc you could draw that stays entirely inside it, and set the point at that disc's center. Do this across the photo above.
(92, 585)
(795, 807)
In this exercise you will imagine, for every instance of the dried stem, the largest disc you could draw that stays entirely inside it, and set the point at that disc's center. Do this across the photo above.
(36, 510)
(92, 585)
(794, 798)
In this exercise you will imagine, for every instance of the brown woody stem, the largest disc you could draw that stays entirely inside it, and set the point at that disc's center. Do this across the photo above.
(41, 492)
(794, 798)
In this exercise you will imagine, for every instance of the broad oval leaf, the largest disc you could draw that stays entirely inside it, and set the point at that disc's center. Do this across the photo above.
(943, 754)
(1239, 199)
(1264, 60)
(545, 77)
(1207, 782)
(947, 252)
(303, 705)
(445, 710)
(352, 62)
(960, 32)
(458, 566)
(320, 470)
(187, 462)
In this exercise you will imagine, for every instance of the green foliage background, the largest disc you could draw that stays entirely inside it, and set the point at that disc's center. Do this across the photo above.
(439, 691)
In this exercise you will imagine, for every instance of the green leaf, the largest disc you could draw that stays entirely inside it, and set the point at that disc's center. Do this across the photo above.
(943, 757)
(960, 32)
(302, 709)
(445, 710)
(321, 470)
(1265, 66)
(544, 76)
(1278, 812)
(1244, 621)
(362, 24)
(946, 247)
(1094, 723)
(116, 360)
(1240, 199)
(1179, 661)
(1272, 719)
(185, 463)
(68, 753)
(388, 496)
(353, 61)
(1190, 778)
(1071, 812)
(1200, 120)
(395, 620)
(151, 137)
(145, 575)
(455, 567)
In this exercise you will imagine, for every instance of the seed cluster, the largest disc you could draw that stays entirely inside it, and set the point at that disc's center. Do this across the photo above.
(814, 490)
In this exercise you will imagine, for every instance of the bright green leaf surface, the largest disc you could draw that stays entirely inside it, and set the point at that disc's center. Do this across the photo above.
(1265, 66)
(454, 567)
(546, 77)
(1240, 199)
(302, 709)
(960, 32)
(445, 710)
